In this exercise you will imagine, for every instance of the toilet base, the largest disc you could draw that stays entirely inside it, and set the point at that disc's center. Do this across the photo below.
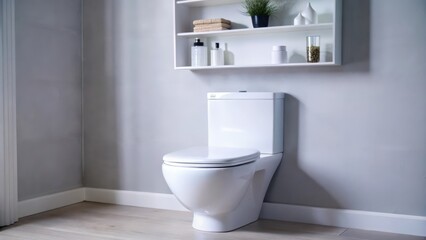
(248, 210)
(221, 223)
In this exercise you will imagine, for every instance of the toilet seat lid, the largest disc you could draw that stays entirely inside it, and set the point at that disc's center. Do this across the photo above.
(211, 157)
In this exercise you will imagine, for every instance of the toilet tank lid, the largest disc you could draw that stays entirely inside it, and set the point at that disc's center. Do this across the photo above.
(244, 95)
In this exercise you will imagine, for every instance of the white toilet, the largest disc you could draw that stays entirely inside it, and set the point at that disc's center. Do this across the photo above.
(224, 183)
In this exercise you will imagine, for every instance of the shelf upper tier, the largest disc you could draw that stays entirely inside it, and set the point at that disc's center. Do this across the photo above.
(203, 3)
(252, 31)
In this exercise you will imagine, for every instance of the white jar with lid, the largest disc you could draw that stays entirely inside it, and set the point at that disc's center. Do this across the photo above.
(279, 55)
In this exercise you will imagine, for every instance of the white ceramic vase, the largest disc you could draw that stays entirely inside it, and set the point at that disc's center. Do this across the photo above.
(310, 15)
(299, 20)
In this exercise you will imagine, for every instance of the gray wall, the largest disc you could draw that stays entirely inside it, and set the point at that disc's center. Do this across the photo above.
(355, 134)
(49, 91)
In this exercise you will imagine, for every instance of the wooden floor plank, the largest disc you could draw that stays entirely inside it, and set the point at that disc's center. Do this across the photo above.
(373, 235)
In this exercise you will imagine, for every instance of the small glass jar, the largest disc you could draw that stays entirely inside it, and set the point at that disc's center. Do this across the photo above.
(313, 49)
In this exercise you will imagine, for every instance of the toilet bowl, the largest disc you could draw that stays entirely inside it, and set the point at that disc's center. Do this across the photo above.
(224, 183)
(222, 198)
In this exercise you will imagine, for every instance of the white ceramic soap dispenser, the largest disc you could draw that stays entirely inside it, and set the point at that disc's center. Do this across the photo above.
(216, 56)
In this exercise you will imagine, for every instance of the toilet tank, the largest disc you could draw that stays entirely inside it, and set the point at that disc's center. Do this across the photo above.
(246, 120)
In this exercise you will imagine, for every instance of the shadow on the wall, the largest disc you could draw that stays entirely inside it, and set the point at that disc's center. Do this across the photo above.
(291, 184)
(356, 35)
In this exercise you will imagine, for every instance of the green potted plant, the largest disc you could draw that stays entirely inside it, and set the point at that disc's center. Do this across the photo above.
(259, 10)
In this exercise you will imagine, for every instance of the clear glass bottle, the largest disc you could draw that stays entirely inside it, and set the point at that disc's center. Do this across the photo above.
(198, 54)
(313, 49)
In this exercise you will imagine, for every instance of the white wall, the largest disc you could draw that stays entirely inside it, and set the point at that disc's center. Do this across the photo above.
(355, 134)
(49, 92)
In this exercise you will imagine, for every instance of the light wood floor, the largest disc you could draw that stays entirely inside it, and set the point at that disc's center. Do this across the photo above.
(94, 221)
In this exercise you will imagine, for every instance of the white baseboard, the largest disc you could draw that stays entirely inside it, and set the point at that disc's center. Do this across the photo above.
(386, 222)
(132, 198)
(49, 202)
(376, 221)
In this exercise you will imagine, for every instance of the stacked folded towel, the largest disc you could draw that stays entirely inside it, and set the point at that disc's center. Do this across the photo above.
(216, 24)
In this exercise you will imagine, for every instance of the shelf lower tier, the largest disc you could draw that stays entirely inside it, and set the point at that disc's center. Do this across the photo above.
(259, 66)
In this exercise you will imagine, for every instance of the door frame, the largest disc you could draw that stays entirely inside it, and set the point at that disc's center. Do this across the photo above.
(8, 151)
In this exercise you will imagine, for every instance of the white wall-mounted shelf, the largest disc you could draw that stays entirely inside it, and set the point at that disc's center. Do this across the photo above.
(247, 47)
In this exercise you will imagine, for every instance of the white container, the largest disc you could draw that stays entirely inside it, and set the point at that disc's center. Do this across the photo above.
(299, 20)
(216, 56)
(310, 15)
(279, 55)
(198, 54)
(246, 120)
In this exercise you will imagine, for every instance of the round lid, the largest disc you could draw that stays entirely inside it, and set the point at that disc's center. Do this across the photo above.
(198, 42)
(211, 157)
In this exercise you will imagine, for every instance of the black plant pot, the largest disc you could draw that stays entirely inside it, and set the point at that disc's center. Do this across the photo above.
(260, 21)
